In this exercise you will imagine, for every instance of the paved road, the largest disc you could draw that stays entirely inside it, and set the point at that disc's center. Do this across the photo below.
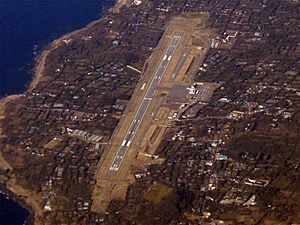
(139, 116)
(181, 61)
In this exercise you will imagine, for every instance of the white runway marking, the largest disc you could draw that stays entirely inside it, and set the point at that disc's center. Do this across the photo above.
(142, 109)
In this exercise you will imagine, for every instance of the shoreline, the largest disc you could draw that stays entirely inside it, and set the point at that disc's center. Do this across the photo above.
(40, 59)
(13, 197)
(28, 199)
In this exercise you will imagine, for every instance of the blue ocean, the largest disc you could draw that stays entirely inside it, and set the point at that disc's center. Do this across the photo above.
(26, 26)
(10, 212)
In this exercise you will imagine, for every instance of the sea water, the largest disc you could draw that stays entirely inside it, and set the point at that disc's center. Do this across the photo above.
(25, 27)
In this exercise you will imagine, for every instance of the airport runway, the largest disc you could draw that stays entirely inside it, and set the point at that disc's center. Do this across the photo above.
(139, 116)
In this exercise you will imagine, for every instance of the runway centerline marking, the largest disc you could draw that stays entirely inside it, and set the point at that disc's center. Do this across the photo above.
(143, 107)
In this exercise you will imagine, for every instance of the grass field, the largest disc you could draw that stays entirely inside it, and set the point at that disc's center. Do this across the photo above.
(157, 192)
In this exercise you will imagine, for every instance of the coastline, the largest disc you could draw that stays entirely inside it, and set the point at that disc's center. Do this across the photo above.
(13, 197)
(29, 199)
(41, 59)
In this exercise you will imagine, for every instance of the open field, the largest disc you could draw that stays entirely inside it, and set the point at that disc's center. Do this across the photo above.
(157, 192)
